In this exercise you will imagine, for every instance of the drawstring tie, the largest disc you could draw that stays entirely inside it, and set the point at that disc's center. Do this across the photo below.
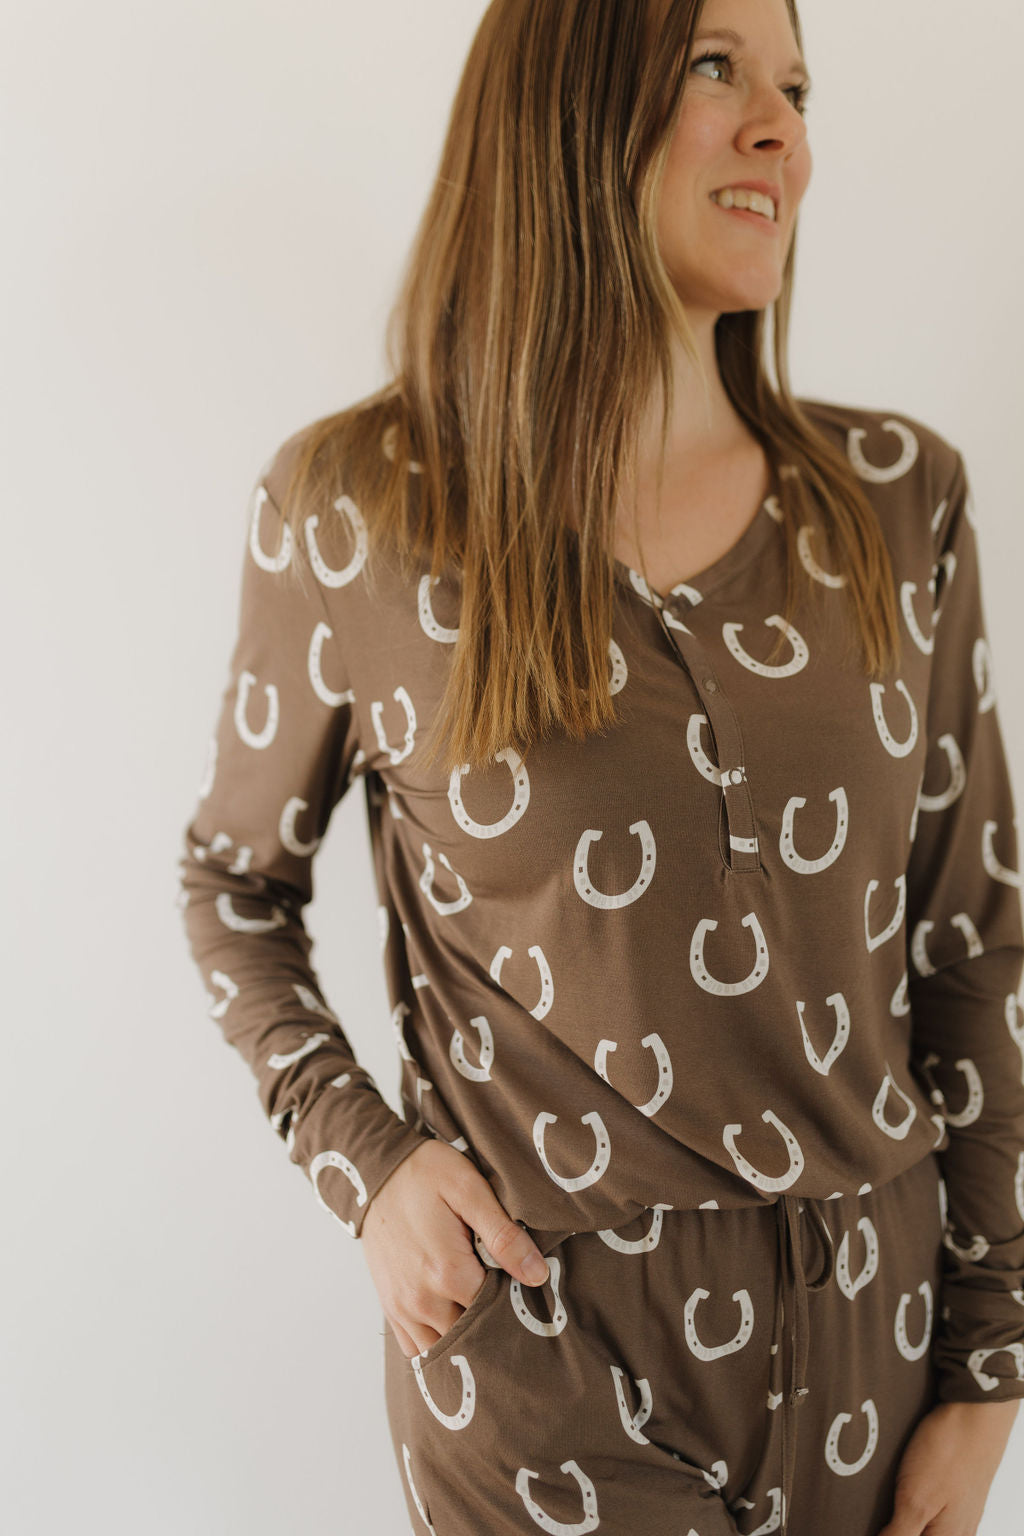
(792, 1278)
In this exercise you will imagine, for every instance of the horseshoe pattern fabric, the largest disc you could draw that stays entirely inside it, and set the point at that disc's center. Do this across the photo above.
(653, 1343)
(762, 938)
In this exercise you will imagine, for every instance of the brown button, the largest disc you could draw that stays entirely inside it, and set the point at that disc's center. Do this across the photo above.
(710, 685)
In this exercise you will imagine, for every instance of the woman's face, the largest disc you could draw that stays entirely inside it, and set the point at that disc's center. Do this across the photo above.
(739, 122)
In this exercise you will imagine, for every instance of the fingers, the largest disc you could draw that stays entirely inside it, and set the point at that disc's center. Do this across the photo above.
(509, 1244)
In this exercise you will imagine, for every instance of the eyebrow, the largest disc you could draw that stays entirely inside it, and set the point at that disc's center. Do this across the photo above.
(734, 37)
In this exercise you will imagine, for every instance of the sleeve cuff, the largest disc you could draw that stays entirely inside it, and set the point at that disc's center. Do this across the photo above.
(349, 1155)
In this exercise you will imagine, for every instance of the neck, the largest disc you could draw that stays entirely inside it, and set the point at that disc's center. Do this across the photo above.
(701, 431)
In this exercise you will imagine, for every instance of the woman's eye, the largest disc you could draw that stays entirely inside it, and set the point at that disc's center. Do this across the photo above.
(717, 59)
(797, 93)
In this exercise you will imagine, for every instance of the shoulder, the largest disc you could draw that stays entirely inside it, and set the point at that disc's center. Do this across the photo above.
(911, 473)
(888, 447)
(346, 444)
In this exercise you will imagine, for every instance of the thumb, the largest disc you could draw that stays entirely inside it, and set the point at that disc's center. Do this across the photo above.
(507, 1242)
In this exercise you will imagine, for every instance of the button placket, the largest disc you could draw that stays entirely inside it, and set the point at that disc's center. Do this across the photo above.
(741, 822)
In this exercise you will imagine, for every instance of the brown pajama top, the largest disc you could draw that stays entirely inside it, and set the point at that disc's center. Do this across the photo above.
(761, 941)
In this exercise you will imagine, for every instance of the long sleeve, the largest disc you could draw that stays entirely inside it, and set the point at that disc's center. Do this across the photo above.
(964, 932)
(281, 758)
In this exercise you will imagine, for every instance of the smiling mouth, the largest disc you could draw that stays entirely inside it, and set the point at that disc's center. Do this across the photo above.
(746, 201)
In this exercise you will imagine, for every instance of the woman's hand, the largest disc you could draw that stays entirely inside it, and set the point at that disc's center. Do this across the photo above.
(417, 1238)
(947, 1468)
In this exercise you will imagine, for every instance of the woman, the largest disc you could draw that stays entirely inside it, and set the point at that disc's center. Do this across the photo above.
(703, 952)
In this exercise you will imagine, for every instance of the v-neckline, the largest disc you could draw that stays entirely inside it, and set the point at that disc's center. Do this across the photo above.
(750, 542)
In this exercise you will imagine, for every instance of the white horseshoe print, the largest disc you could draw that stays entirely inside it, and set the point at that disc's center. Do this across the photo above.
(650, 597)
(899, 1003)
(399, 1013)
(995, 869)
(892, 746)
(281, 1059)
(938, 515)
(591, 1519)
(907, 1350)
(957, 777)
(975, 1095)
(811, 566)
(444, 908)
(947, 563)
(652, 1042)
(775, 1495)
(263, 738)
(978, 1357)
(271, 563)
(482, 1073)
(786, 847)
(620, 672)
(645, 1244)
(547, 985)
(412, 1489)
(230, 918)
(559, 1316)
(971, 936)
(210, 768)
(801, 653)
(581, 873)
(310, 1000)
(602, 1153)
(918, 950)
(429, 625)
(669, 618)
(220, 1006)
(347, 573)
(832, 1456)
(915, 814)
(698, 756)
(718, 1476)
(893, 926)
(286, 829)
(984, 675)
(900, 1129)
(631, 1421)
(702, 975)
(322, 632)
(1016, 1028)
(925, 643)
(842, 1033)
(972, 1252)
(395, 754)
(763, 1181)
(520, 797)
(221, 841)
(338, 1160)
(871, 472)
(467, 1405)
(739, 1339)
(850, 1285)
(388, 441)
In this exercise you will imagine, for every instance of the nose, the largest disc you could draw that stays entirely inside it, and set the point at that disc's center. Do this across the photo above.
(774, 123)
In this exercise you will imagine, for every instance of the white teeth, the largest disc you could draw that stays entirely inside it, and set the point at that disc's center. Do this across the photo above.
(739, 197)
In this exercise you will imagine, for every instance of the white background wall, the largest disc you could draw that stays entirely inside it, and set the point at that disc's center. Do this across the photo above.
(206, 207)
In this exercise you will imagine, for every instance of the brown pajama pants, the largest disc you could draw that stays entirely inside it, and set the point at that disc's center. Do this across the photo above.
(645, 1388)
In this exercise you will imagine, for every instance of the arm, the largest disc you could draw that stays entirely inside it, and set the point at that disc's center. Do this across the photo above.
(281, 758)
(964, 929)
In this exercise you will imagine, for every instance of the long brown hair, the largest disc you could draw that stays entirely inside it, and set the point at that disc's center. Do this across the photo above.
(532, 322)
